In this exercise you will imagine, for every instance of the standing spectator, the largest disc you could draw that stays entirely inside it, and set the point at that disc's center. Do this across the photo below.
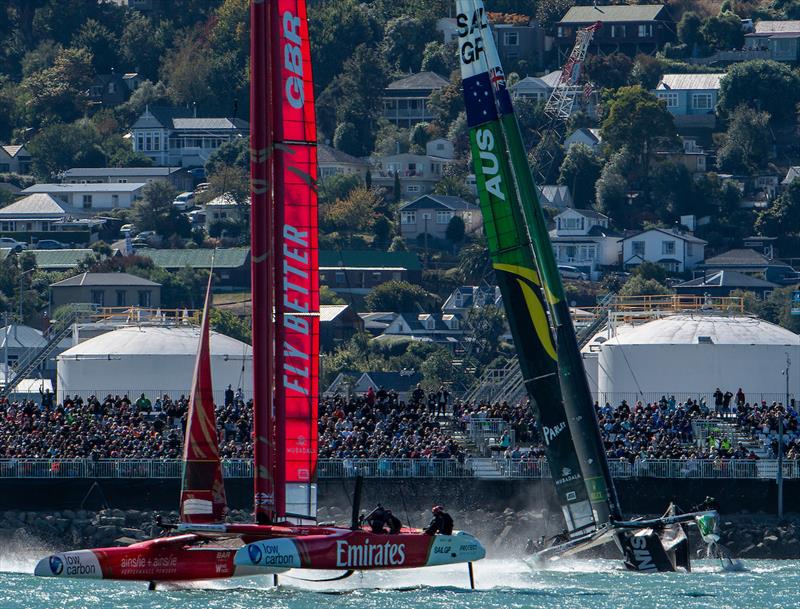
(726, 401)
(229, 396)
(718, 397)
(441, 401)
(143, 404)
(740, 398)
(418, 395)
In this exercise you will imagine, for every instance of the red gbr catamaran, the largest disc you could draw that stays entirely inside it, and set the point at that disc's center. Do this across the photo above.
(286, 373)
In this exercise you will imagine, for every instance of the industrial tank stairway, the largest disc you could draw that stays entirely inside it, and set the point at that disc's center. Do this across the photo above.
(33, 359)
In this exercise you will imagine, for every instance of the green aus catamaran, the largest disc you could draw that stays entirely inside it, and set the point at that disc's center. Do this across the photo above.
(533, 297)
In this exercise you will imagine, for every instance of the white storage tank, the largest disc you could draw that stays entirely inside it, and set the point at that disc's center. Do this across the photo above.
(692, 355)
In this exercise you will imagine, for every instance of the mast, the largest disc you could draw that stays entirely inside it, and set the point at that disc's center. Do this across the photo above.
(296, 265)
(512, 258)
(202, 488)
(261, 228)
(578, 402)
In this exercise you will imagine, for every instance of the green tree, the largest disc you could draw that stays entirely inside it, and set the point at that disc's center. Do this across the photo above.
(228, 180)
(650, 270)
(485, 325)
(639, 286)
(647, 71)
(233, 153)
(580, 171)
(398, 296)
(355, 212)
(456, 230)
(337, 186)
(670, 189)
(439, 58)
(329, 297)
(231, 325)
(101, 43)
(447, 103)
(60, 91)
(404, 42)
(766, 86)
(612, 188)
(782, 218)
(156, 212)
(689, 29)
(635, 120)
(62, 146)
(474, 263)
(609, 71)
(549, 12)
(143, 43)
(747, 142)
(452, 185)
(723, 32)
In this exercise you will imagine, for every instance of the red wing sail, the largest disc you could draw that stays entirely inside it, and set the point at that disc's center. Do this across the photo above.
(262, 265)
(203, 490)
(296, 262)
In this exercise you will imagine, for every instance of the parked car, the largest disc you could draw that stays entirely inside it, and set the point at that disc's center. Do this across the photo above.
(127, 230)
(571, 272)
(48, 244)
(186, 198)
(12, 244)
(202, 187)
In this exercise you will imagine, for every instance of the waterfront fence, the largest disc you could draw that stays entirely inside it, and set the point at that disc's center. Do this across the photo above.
(765, 469)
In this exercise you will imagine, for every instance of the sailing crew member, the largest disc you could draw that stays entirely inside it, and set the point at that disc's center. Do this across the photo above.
(441, 522)
(376, 519)
(393, 522)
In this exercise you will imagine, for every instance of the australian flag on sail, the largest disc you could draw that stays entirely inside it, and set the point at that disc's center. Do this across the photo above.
(479, 100)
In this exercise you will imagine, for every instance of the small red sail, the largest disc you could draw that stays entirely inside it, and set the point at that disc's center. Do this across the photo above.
(203, 489)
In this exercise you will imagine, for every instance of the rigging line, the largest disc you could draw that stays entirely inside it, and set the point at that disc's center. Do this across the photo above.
(630, 368)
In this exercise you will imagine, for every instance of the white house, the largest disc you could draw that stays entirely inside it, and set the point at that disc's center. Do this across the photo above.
(445, 329)
(676, 251)
(537, 88)
(85, 198)
(174, 137)
(333, 162)
(418, 173)
(466, 297)
(586, 136)
(14, 159)
(555, 195)
(179, 177)
(431, 214)
(583, 238)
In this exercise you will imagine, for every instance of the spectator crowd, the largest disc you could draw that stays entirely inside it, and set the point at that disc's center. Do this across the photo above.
(381, 425)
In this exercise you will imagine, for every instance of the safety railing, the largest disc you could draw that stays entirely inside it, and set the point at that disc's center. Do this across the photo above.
(764, 469)
(487, 432)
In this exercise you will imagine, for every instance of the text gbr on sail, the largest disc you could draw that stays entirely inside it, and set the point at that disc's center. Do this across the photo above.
(293, 60)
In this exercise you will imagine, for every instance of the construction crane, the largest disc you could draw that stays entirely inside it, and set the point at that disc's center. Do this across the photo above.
(561, 103)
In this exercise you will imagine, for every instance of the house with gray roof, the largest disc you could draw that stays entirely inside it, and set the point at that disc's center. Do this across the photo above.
(536, 88)
(337, 325)
(175, 137)
(14, 159)
(405, 101)
(690, 98)
(675, 250)
(445, 329)
(722, 283)
(60, 260)
(432, 213)
(42, 216)
(751, 262)
(418, 173)
(555, 195)
(778, 40)
(231, 265)
(106, 290)
(87, 199)
(627, 28)
(583, 238)
(586, 136)
(178, 177)
(351, 383)
(333, 162)
(356, 272)
(467, 297)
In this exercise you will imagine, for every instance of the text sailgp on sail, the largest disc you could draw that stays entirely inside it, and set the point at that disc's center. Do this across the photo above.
(512, 259)
(645, 548)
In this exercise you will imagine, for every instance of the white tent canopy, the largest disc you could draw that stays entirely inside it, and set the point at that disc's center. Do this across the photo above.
(151, 360)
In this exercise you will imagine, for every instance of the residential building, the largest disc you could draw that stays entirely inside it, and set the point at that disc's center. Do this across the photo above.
(467, 297)
(555, 195)
(690, 155)
(22, 340)
(516, 38)
(764, 245)
(356, 272)
(690, 98)
(174, 137)
(333, 162)
(792, 174)
(337, 325)
(178, 177)
(60, 260)
(751, 262)
(144, 6)
(14, 159)
(375, 323)
(586, 136)
(358, 383)
(418, 173)
(225, 209)
(432, 213)
(108, 90)
(779, 40)
(41, 216)
(442, 328)
(584, 239)
(676, 251)
(106, 290)
(85, 199)
(536, 88)
(405, 101)
(628, 29)
(722, 283)
(231, 264)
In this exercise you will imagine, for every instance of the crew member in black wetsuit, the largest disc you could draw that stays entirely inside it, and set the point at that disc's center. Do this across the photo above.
(441, 523)
(376, 519)
(393, 522)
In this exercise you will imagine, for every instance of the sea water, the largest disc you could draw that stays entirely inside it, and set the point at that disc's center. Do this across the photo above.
(506, 584)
